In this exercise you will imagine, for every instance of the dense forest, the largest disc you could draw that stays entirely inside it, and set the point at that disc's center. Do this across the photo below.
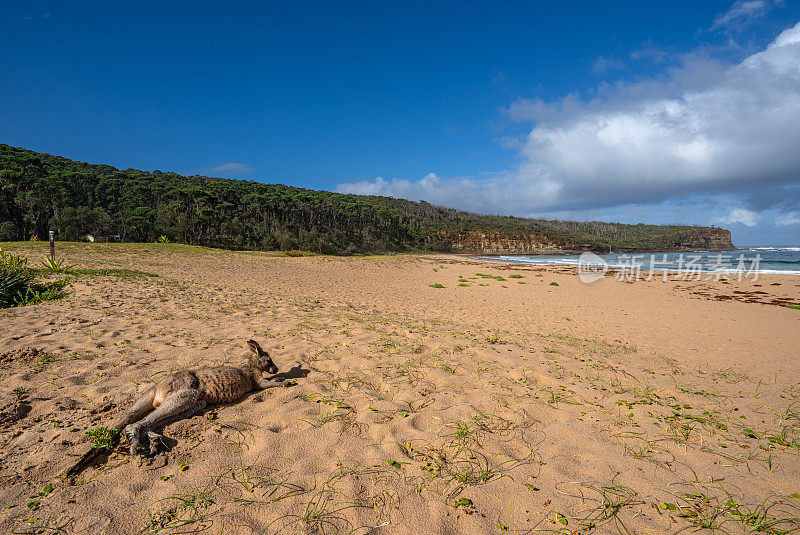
(40, 192)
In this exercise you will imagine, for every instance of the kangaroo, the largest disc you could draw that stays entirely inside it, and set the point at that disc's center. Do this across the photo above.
(185, 393)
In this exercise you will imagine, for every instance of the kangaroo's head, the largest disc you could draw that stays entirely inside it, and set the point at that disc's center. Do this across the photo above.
(260, 359)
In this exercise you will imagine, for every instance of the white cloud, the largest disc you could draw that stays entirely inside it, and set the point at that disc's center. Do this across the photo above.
(741, 14)
(649, 52)
(603, 64)
(739, 215)
(790, 218)
(704, 128)
(229, 169)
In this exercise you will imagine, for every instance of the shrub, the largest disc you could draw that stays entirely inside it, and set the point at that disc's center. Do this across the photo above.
(15, 278)
(55, 264)
(17, 283)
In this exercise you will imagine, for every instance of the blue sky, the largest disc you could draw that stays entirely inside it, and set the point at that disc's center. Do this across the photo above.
(663, 112)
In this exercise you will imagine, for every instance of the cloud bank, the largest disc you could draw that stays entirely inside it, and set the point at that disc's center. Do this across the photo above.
(704, 129)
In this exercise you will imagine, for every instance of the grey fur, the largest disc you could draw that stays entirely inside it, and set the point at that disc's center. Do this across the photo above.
(185, 393)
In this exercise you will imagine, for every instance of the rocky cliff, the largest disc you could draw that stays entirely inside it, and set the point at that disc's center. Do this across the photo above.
(706, 239)
(499, 243)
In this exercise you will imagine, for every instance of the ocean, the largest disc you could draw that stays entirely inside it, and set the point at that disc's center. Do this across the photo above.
(784, 260)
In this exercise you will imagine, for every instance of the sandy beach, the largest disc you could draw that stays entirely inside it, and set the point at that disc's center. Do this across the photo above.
(510, 399)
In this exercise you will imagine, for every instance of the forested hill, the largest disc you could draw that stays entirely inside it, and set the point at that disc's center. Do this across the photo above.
(41, 192)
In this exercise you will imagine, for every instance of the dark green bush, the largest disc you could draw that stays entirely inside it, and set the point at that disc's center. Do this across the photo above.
(15, 277)
(18, 285)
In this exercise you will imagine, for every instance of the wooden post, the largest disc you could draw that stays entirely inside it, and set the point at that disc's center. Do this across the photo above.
(52, 246)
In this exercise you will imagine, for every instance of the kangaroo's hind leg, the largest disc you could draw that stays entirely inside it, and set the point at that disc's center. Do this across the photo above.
(142, 406)
(176, 406)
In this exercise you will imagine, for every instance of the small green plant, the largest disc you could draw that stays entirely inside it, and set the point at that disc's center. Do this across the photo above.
(494, 338)
(464, 503)
(102, 438)
(162, 239)
(796, 307)
(15, 277)
(182, 511)
(437, 285)
(495, 277)
(55, 264)
(516, 276)
(553, 283)
(18, 285)
(45, 491)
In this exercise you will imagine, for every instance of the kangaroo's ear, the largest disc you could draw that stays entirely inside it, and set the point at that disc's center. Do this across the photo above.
(254, 347)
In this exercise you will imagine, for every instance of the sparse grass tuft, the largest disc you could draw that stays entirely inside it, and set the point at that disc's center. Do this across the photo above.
(773, 516)
(183, 510)
(494, 338)
(102, 438)
(116, 272)
(613, 499)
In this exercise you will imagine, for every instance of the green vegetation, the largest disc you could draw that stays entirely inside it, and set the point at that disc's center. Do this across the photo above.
(40, 192)
(55, 264)
(495, 277)
(182, 511)
(18, 286)
(104, 272)
(102, 438)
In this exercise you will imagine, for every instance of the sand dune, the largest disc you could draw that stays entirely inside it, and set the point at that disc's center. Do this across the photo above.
(501, 403)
